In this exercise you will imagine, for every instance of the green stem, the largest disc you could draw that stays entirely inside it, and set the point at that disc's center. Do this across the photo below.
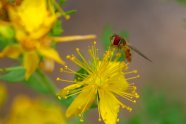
(62, 12)
(48, 82)
(10, 69)
(38, 75)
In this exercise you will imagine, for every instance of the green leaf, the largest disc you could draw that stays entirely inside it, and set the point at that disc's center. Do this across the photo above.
(40, 82)
(135, 120)
(61, 2)
(182, 1)
(70, 12)
(106, 37)
(80, 71)
(66, 102)
(57, 29)
(173, 114)
(5, 42)
(12, 75)
(7, 32)
(155, 104)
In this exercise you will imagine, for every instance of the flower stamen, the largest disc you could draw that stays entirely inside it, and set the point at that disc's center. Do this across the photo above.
(69, 81)
(138, 76)
(102, 80)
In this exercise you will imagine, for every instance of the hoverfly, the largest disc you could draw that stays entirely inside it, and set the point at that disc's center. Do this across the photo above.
(121, 43)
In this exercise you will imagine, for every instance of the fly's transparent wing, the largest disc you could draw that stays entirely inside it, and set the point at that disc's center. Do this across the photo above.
(138, 52)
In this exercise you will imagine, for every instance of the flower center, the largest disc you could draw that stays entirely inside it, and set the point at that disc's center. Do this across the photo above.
(28, 45)
(98, 81)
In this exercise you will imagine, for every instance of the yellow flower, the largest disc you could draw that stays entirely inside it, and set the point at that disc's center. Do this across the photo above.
(103, 82)
(35, 111)
(32, 21)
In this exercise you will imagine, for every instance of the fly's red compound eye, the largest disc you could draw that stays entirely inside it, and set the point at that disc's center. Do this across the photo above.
(116, 40)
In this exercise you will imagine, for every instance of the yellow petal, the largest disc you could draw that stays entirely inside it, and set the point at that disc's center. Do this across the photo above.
(27, 12)
(117, 80)
(82, 102)
(24, 18)
(118, 83)
(50, 53)
(44, 28)
(12, 51)
(30, 62)
(108, 107)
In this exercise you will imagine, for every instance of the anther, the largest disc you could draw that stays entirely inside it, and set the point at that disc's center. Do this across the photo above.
(137, 96)
(77, 49)
(118, 120)
(61, 70)
(72, 58)
(68, 91)
(81, 120)
(57, 78)
(99, 119)
(68, 56)
(135, 71)
(123, 106)
(129, 109)
(59, 97)
(66, 67)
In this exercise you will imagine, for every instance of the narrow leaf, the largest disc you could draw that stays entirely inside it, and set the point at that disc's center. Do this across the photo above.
(12, 75)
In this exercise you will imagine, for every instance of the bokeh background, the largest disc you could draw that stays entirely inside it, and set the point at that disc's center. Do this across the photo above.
(158, 29)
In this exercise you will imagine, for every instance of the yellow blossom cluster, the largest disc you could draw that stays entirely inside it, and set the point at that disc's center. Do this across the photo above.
(34, 111)
(25, 110)
(31, 21)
